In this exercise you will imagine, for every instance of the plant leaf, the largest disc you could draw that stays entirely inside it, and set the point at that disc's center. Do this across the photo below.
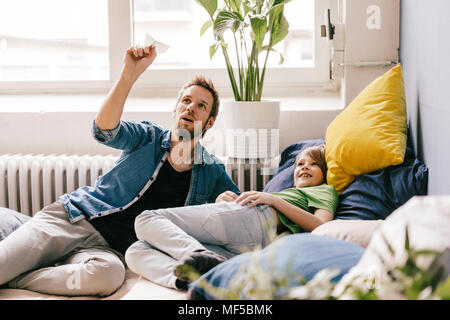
(443, 290)
(428, 252)
(223, 44)
(280, 27)
(212, 50)
(205, 27)
(277, 5)
(388, 245)
(436, 277)
(227, 20)
(258, 5)
(277, 2)
(246, 7)
(235, 5)
(281, 61)
(281, 58)
(259, 27)
(407, 246)
(209, 5)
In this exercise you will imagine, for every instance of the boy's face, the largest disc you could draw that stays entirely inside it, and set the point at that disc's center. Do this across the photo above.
(307, 172)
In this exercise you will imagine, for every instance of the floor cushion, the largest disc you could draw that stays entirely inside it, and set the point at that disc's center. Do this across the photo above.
(301, 254)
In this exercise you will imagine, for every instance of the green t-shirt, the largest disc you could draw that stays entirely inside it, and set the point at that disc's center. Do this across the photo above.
(308, 199)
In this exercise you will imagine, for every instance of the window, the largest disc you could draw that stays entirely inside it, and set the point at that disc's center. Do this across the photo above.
(53, 40)
(306, 54)
(64, 44)
(165, 19)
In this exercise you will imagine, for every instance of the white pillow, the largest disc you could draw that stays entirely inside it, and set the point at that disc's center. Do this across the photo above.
(428, 221)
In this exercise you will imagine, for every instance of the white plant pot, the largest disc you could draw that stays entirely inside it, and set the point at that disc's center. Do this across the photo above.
(251, 128)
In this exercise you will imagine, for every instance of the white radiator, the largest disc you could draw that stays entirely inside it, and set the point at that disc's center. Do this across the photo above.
(250, 174)
(30, 182)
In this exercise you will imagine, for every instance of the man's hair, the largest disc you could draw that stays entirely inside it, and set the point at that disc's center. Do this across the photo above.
(318, 154)
(200, 80)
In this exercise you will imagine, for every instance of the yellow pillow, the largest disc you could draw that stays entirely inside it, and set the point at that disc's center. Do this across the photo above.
(370, 134)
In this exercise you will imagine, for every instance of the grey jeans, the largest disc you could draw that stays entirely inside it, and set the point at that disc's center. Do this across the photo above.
(50, 255)
(166, 236)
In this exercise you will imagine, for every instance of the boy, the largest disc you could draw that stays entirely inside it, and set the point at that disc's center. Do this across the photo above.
(178, 237)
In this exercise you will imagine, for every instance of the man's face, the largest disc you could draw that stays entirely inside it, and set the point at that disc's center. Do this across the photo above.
(193, 109)
(307, 172)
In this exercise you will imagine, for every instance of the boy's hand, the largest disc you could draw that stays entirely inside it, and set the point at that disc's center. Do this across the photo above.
(227, 196)
(256, 197)
(137, 59)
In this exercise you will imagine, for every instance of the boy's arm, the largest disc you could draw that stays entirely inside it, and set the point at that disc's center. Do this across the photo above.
(303, 218)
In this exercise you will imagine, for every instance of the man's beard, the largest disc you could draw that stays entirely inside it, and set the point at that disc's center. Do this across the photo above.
(189, 134)
(182, 152)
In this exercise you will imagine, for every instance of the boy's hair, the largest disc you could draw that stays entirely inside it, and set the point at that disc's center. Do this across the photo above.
(200, 80)
(318, 154)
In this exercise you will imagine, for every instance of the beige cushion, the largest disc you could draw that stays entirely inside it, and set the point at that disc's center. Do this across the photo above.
(356, 231)
(133, 288)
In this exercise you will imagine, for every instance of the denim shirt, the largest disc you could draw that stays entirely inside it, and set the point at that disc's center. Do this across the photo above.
(145, 146)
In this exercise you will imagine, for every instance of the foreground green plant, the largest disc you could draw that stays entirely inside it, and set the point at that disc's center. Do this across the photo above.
(257, 26)
(408, 281)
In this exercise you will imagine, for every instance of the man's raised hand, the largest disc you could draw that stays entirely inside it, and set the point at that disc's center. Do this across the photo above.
(137, 60)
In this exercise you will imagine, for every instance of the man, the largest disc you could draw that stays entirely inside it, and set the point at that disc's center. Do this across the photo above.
(75, 246)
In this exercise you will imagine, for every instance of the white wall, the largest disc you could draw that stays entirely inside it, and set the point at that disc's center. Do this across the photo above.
(424, 52)
(370, 35)
(62, 124)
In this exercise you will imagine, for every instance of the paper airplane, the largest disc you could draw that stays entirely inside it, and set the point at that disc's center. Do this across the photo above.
(159, 46)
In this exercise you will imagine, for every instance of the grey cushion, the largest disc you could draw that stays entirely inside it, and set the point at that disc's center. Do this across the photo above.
(10, 220)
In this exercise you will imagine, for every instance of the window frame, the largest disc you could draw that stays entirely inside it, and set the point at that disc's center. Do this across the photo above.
(165, 82)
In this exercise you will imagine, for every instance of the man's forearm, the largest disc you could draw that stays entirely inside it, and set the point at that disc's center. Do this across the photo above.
(111, 111)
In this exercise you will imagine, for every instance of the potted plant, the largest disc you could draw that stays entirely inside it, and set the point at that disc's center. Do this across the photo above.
(256, 27)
